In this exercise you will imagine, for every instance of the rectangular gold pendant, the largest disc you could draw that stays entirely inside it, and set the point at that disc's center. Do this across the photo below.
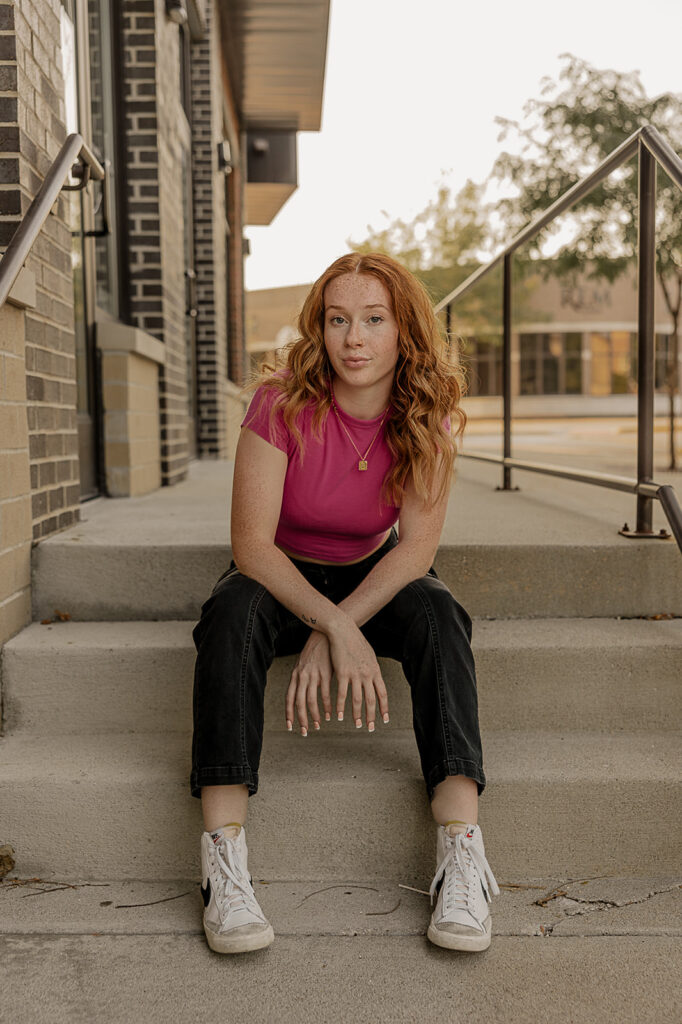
(362, 464)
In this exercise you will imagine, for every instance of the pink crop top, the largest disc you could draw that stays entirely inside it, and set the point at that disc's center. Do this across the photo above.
(331, 510)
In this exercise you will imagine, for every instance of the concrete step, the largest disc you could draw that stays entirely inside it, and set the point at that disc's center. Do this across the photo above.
(544, 674)
(118, 806)
(550, 549)
(330, 979)
(97, 581)
(351, 906)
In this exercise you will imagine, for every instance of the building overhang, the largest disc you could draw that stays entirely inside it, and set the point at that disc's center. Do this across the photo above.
(275, 56)
(275, 52)
(271, 174)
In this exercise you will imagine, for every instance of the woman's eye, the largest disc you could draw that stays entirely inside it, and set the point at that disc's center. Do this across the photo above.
(376, 319)
(336, 320)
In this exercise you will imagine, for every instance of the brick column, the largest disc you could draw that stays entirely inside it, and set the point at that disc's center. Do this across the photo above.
(154, 133)
(15, 482)
(32, 116)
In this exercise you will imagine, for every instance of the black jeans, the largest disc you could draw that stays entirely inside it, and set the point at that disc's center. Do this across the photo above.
(243, 627)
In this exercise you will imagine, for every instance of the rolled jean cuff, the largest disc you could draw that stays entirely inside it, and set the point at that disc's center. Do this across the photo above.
(224, 775)
(456, 766)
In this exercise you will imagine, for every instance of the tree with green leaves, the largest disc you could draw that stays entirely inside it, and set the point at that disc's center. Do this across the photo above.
(565, 134)
(444, 243)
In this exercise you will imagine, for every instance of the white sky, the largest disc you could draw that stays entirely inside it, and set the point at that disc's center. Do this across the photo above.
(412, 90)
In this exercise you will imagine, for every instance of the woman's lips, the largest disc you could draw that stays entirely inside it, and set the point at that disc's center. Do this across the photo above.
(355, 362)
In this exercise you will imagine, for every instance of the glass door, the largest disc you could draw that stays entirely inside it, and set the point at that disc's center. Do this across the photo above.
(73, 15)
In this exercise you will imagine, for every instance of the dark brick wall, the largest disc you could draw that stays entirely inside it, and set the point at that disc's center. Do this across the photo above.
(159, 140)
(237, 362)
(154, 121)
(209, 240)
(32, 117)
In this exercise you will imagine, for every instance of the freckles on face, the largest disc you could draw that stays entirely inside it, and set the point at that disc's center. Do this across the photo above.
(360, 329)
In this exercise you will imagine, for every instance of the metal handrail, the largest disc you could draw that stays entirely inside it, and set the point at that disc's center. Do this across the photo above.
(651, 148)
(73, 148)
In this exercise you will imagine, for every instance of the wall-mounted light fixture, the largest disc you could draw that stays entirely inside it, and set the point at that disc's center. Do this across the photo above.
(225, 162)
(176, 10)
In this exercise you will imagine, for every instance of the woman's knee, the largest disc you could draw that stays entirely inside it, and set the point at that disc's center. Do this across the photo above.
(435, 604)
(233, 603)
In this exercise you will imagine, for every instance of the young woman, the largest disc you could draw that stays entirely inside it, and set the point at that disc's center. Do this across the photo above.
(352, 435)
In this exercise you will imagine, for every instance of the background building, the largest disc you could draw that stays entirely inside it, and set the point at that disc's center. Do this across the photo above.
(571, 339)
(122, 347)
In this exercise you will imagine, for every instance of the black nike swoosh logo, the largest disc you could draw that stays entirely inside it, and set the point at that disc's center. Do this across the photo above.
(206, 893)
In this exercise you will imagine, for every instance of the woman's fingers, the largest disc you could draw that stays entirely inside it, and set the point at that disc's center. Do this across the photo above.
(302, 698)
(356, 702)
(325, 691)
(289, 699)
(370, 705)
(301, 710)
(370, 688)
(342, 690)
(382, 694)
(312, 702)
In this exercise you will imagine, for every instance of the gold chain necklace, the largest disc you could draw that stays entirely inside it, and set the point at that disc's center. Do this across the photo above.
(362, 464)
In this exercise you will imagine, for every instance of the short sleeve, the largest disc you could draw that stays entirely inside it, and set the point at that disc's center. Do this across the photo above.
(259, 419)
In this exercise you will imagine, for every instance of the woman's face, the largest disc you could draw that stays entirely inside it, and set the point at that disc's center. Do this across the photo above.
(360, 330)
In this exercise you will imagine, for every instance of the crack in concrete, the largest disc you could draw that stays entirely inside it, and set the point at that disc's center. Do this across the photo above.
(574, 906)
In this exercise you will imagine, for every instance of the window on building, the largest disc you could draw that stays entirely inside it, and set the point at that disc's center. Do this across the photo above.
(573, 364)
(550, 364)
(663, 353)
(482, 358)
(185, 85)
(104, 97)
(613, 371)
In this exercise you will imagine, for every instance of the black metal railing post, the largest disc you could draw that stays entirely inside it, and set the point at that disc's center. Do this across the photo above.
(645, 327)
(652, 149)
(506, 366)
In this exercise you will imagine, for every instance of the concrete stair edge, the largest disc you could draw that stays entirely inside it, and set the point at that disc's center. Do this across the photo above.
(121, 806)
(97, 582)
(547, 674)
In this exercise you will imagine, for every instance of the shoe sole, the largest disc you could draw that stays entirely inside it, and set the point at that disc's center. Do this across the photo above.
(239, 943)
(468, 943)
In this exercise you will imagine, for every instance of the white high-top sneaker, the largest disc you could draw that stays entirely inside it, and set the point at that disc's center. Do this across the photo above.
(233, 920)
(464, 883)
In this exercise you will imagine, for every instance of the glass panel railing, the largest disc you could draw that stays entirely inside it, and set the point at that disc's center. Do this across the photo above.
(476, 330)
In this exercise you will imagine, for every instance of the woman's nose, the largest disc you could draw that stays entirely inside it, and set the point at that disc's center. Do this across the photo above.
(354, 334)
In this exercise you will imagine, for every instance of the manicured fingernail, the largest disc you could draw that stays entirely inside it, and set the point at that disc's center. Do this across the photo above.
(327, 717)
(340, 716)
(288, 725)
(317, 725)
(371, 726)
(358, 723)
(304, 732)
(386, 717)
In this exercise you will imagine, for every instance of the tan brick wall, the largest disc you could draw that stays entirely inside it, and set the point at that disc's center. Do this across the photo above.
(15, 482)
(235, 405)
(32, 116)
(132, 446)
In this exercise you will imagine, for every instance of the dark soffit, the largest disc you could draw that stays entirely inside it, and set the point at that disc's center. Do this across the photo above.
(275, 52)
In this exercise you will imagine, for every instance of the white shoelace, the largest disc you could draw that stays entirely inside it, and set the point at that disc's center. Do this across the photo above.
(460, 856)
(233, 887)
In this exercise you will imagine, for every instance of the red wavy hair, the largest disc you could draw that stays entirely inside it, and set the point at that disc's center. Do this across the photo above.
(427, 387)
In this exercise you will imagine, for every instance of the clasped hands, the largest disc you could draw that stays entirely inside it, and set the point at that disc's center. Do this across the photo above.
(347, 654)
